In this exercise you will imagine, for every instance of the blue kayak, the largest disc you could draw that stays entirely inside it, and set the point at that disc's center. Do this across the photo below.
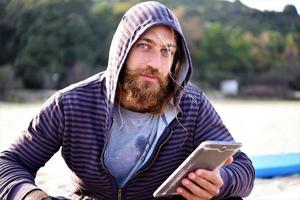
(268, 166)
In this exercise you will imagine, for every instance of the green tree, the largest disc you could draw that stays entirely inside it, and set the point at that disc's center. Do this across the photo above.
(266, 50)
(58, 36)
(291, 52)
(222, 54)
(105, 18)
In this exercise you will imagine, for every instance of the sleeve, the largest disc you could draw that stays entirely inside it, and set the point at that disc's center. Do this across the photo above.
(21, 190)
(239, 176)
(36, 145)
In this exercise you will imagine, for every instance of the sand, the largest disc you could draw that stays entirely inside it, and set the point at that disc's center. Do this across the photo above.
(264, 127)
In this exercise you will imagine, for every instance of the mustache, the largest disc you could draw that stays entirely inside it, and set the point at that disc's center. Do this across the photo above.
(149, 71)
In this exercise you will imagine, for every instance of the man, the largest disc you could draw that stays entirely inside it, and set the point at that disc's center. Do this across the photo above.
(125, 130)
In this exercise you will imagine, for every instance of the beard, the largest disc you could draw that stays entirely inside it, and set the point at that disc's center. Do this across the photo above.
(143, 95)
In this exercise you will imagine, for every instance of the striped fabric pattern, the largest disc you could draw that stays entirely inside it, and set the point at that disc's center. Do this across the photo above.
(133, 24)
(77, 119)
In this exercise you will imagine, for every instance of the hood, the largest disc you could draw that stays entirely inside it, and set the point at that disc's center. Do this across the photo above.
(133, 24)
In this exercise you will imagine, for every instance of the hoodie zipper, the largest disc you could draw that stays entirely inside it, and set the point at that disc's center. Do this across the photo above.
(119, 194)
(119, 190)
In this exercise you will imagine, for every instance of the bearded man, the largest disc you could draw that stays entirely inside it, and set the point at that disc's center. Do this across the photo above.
(123, 131)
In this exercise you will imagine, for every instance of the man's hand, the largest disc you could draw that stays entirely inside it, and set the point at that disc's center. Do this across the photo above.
(202, 184)
(37, 195)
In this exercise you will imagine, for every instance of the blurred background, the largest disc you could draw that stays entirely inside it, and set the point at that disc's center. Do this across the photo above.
(50, 44)
(246, 57)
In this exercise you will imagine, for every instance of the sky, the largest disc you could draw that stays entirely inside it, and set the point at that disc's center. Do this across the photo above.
(271, 5)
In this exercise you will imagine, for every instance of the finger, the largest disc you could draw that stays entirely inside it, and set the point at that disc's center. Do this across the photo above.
(229, 161)
(195, 189)
(204, 184)
(187, 195)
(213, 177)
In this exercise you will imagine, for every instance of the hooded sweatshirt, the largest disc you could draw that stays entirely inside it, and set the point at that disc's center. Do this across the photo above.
(78, 119)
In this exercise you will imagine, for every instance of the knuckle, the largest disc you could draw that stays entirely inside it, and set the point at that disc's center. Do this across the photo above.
(217, 191)
(208, 197)
(194, 198)
(221, 183)
(207, 185)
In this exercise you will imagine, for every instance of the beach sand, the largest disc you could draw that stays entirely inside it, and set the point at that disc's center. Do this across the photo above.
(264, 127)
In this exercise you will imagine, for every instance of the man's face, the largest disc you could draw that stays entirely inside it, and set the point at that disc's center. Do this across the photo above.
(148, 65)
(154, 49)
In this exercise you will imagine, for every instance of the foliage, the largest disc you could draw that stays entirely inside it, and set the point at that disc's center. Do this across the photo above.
(50, 37)
(52, 43)
(223, 54)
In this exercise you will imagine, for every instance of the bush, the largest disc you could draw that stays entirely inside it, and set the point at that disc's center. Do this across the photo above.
(7, 80)
(294, 83)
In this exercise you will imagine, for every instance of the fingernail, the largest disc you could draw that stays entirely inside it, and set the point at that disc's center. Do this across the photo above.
(198, 172)
(192, 176)
(179, 190)
(185, 182)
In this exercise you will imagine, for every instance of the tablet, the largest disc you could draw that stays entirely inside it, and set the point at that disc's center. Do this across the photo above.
(208, 155)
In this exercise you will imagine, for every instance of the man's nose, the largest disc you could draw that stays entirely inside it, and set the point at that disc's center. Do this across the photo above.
(154, 61)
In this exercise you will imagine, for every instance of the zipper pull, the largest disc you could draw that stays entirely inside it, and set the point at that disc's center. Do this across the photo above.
(119, 194)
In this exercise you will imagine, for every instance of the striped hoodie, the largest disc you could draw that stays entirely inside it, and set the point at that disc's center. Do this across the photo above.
(78, 119)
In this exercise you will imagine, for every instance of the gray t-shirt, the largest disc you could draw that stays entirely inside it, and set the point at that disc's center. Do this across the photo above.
(132, 136)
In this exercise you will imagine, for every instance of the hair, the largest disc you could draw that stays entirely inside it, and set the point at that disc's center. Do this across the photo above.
(174, 87)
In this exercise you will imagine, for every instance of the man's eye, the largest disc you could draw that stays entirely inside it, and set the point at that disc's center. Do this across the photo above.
(143, 46)
(167, 52)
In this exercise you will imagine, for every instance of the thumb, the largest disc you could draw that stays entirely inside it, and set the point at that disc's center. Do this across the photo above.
(229, 161)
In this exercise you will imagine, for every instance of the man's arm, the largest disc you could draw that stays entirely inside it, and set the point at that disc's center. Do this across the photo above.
(37, 194)
(20, 163)
(238, 177)
(204, 184)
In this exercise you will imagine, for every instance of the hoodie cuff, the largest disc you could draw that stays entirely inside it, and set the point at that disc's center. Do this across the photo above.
(225, 189)
(21, 190)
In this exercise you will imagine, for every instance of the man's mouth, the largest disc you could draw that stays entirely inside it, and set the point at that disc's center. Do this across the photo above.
(150, 78)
